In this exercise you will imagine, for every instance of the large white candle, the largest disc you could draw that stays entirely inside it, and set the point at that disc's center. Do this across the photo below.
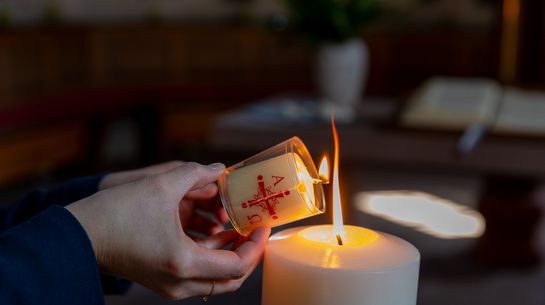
(306, 266)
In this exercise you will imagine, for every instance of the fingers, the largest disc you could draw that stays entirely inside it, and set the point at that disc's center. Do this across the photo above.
(252, 249)
(206, 192)
(223, 264)
(221, 215)
(191, 288)
(204, 287)
(215, 207)
(219, 240)
(240, 240)
(204, 223)
(221, 271)
(209, 201)
(190, 176)
(158, 168)
(118, 178)
(222, 284)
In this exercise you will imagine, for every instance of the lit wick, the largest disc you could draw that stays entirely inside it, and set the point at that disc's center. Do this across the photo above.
(319, 181)
(339, 240)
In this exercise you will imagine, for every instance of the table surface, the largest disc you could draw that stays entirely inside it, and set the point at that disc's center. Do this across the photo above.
(373, 138)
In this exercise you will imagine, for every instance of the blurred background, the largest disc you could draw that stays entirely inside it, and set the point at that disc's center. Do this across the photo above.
(439, 104)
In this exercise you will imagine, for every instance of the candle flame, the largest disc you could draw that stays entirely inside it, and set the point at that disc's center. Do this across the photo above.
(323, 172)
(338, 227)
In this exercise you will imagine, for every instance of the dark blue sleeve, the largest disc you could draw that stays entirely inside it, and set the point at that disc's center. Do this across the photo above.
(63, 194)
(49, 260)
(39, 200)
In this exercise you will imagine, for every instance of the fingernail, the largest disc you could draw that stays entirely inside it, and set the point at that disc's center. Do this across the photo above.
(217, 166)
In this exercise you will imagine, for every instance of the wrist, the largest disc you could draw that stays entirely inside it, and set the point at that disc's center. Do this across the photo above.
(107, 181)
(82, 214)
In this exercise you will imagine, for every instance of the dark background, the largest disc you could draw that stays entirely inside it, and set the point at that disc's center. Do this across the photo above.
(93, 86)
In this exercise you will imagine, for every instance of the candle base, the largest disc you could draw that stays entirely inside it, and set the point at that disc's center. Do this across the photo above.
(305, 265)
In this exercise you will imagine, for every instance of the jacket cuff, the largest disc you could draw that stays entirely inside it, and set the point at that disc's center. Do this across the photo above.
(49, 260)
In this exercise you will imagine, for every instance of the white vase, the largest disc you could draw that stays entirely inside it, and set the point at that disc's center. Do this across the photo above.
(341, 73)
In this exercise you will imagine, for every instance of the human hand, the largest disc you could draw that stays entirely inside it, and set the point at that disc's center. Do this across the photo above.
(204, 200)
(137, 232)
(122, 177)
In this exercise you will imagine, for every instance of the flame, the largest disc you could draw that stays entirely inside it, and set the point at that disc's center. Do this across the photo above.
(323, 172)
(338, 227)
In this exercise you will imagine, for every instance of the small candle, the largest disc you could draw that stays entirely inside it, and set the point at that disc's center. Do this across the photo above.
(306, 265)
(272, 189)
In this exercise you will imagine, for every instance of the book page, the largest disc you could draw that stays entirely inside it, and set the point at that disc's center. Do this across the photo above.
(521, 112)
(453, 103)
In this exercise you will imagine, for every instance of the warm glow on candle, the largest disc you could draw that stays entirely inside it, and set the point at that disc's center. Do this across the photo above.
(323, 172)
(355, 236)
(338, 227)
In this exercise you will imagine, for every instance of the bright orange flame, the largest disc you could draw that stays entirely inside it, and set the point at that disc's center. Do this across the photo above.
(338, 227)
(323, 172)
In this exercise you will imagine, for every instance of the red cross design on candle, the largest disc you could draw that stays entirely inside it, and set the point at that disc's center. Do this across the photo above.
(265, 198)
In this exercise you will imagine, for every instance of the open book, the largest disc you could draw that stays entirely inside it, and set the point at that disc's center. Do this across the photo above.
(459, 103)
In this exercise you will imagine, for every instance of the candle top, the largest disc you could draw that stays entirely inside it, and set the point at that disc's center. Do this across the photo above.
(363, 249)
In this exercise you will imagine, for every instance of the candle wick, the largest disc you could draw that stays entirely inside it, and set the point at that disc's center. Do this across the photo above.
(339, 240)
(320, 181)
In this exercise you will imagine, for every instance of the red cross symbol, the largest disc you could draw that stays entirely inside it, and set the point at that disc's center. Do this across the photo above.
(265, 198)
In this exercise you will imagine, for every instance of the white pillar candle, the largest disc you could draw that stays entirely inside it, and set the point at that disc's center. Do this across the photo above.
(306, 266)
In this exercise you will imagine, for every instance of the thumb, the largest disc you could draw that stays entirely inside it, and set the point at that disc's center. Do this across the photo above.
(191, 176)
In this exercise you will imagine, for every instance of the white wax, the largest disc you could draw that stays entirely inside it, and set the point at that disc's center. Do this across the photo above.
(269, 193)
(306, 266)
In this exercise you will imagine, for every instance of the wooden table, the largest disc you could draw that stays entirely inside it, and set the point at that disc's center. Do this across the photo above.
(510, 166)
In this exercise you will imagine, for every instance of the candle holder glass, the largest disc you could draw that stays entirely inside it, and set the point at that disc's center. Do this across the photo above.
(277, 186)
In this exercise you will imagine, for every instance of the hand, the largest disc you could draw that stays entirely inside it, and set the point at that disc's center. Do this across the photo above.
(118, 178)
(137, 232)
(193, 220)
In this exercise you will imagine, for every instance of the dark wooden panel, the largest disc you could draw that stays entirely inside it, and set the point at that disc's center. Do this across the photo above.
(532, 48)
(35, 62)
(29, 153)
